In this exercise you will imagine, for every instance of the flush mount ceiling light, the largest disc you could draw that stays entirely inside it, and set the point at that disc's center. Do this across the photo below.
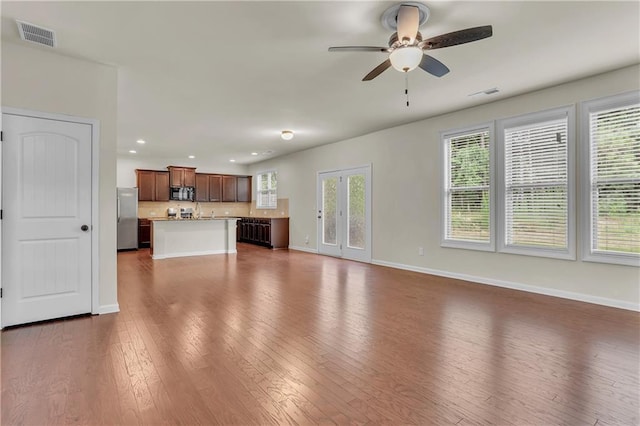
(254, 153)
(132, 151)
(192, 156)
(232, 161)
(141, 141)
(287, 135)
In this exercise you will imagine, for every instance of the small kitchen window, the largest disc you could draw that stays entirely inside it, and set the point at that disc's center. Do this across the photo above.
(267, 190)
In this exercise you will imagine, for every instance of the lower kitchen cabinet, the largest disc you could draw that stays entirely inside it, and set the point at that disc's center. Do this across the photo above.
(269, 232)
(144, 233)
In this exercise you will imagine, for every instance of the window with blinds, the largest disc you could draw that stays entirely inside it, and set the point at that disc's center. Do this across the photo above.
(266, 192)
(614, 177)
(467, 189)
(536, 206)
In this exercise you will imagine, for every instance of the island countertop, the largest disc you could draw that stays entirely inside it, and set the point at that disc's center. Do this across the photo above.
(192, 237)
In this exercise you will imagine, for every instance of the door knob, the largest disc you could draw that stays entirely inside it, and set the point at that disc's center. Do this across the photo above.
(85, 228)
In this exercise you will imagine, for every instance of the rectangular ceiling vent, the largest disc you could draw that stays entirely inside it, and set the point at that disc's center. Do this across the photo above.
(35, 34)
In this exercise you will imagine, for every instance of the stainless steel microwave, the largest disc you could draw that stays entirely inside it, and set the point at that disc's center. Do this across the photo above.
(183, 193)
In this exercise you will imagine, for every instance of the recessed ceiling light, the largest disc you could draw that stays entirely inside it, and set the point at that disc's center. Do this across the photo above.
(132, 151)
(192, 156)
(254, 153)
(232, 161)
(287, 135)
(141, 142)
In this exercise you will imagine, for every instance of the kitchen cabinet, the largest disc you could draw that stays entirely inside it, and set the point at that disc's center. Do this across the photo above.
(182, 176)
(144, 233)
(268, 232)
(202, 187)
(215, 187)
(229, 189)
(153, 185)
(243, 191)
(208, 187)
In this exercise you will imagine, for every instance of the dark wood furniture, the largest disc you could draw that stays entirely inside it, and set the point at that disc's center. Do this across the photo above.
(144, 233)
(243, 191)
(229, 189)
(182, 176)
(215, 187)
(268, 232)
(208, 187)
(153, 185)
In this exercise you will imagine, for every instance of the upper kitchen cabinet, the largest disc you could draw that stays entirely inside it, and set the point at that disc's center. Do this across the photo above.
(202, 187)
(152, 185)
(182, 176)
(243, 189)
(215, 188)
(229, 189)
(208, 187)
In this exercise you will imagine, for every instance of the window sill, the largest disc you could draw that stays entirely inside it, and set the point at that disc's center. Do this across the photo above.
(612, 258)
(468, 245)
(539, 252)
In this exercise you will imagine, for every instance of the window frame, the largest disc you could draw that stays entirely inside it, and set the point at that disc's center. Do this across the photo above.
(445, 136)
(588, 254)
(259, 191)
(568, 253)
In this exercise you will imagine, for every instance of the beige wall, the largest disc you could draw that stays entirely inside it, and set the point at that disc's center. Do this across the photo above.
(406, 171)
(39, 80)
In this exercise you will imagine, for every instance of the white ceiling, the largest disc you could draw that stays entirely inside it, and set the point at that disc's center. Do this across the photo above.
(219, 80)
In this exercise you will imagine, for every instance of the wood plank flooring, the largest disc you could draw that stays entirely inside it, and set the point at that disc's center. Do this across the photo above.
(279, 337)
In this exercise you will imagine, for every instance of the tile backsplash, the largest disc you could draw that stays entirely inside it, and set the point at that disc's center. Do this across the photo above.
(150, 209)
(281, 211)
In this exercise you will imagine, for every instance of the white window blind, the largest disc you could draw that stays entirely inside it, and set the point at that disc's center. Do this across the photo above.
(536, 203)
(614, 142)
(467, 189)
(267, 193)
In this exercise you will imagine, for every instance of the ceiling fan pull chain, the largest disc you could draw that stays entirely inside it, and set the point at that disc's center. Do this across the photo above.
(406, 86)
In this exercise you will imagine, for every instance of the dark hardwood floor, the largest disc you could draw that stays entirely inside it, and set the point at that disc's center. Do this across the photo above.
(284, 337)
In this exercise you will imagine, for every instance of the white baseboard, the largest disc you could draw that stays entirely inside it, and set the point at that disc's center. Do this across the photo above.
(305, 249)
(109, 309)
(516, 286)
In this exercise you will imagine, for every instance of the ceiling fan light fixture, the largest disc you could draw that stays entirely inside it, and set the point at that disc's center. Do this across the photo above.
(406, 59)
(287, 135)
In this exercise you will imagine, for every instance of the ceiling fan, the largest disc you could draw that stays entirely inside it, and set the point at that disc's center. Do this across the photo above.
(407, 49)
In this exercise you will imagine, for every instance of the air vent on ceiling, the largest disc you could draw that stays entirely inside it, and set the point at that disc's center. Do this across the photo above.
(486, 92)
(35, 34)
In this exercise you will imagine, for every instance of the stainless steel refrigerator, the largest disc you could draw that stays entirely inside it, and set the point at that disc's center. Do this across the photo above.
(127, 218)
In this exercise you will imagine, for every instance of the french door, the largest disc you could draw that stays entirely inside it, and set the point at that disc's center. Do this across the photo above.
(344, 213)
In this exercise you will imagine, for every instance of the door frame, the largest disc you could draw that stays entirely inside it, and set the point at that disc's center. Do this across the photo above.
(368, 213)
(95, 195)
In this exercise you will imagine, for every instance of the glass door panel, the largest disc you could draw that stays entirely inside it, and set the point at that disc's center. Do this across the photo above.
(330, 211)
(356, 218)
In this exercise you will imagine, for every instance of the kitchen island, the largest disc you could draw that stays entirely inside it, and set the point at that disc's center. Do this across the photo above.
(192, 237)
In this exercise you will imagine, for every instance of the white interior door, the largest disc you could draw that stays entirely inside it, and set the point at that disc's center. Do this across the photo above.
(344, 213)
(46, 224)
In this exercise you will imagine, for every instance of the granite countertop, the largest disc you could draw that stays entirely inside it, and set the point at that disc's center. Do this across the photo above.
(191, 220)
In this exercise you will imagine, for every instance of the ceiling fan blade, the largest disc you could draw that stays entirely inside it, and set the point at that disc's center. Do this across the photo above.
(457, 37)
(377, 70)
(408, 22)
(358, 49)
(433, 66)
